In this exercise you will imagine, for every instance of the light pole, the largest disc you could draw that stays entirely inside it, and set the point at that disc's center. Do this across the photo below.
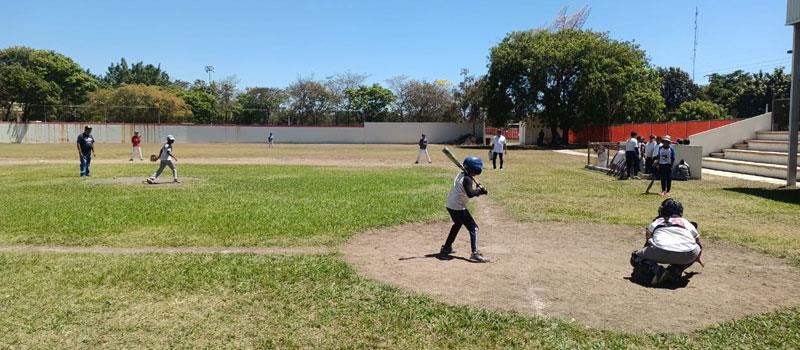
(209, 70)
(793, 19)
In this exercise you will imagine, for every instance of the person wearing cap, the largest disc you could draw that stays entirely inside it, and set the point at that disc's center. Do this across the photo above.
(423, 149)
(665, 159)
(136, 141)
(86, 149)
(168, 159)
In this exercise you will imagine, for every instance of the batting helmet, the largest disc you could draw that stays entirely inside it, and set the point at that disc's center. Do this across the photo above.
(170, 138)
(670, 207)
(473, 165)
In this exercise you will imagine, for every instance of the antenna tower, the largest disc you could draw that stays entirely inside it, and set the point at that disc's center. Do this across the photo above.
(694, 51)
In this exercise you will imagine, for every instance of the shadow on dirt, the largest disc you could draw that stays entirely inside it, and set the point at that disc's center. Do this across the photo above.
(437, 256)
(672, 285)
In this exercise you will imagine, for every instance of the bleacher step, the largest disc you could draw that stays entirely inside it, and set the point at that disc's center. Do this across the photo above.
(781, 158)
(740, 146)
(768, 145)
(777, 171)
(772, 135)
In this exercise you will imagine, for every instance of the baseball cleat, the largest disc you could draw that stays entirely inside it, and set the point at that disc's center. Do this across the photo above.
(151, 180)
(477, 257)
(446, 251)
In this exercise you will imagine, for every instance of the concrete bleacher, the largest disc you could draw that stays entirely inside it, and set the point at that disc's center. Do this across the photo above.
(765, 155)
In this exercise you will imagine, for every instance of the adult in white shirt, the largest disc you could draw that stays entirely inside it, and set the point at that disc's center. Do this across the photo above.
(499, 147)
(649, 150)
(670, 239)
(631, 156)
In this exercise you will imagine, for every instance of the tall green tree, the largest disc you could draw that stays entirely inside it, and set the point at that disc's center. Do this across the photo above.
(310, 102)
(259, 104)
(745, 94)
(30, 77)
(202, 103)
(428, 102)
(570, 78)
(370, 102)
(699, 110)
(677, 87)
(137, 103)
(139, 73)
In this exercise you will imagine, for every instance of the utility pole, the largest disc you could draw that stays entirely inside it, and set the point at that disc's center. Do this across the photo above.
(793, 19)
(694, 51)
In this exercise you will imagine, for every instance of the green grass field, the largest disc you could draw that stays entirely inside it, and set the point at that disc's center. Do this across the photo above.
(240, 205)
(241, 300)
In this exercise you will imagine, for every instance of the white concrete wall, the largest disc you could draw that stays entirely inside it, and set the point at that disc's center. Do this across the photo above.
(715, 140)
(152, 133)
(410, 132)
(693, 155)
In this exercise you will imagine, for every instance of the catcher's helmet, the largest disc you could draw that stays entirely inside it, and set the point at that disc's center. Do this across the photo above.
(670, 207)
(474, 165)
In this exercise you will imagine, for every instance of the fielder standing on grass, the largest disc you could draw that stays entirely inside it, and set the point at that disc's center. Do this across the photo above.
(499, 147)
(464, 188)
(86, 149)
(423, 149)
(168, 159)
(136, 142)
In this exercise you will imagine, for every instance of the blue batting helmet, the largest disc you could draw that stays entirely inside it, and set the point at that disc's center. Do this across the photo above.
(473, 165)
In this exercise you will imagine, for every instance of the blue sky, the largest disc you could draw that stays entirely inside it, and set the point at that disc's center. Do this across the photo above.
(270, 43)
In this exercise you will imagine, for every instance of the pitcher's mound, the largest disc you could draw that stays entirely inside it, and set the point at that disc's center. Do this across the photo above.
(573, 271)
(141, 181)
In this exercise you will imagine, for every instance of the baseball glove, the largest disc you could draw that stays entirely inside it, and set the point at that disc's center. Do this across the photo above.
(153, 158)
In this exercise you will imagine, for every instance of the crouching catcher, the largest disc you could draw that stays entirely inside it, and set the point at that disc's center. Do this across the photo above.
(464, 188)
(670, 239)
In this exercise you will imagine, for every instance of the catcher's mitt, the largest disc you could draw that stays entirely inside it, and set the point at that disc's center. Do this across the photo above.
(153, 158)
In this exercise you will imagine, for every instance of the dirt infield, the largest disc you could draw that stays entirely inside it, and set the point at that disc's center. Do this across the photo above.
(572, 271)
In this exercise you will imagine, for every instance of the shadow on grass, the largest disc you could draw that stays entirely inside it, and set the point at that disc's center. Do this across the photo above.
(790, 196)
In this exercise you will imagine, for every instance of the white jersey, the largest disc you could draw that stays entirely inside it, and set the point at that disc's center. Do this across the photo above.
(665, 156)
(498, 143)
(632, 145)
(679, 236)
(458, 199)
(166, 150)
(650, 148)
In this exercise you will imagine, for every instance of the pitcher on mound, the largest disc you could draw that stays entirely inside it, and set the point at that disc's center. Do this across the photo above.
(168, 159)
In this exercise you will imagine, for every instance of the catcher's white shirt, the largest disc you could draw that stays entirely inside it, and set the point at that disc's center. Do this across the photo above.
(680, 236)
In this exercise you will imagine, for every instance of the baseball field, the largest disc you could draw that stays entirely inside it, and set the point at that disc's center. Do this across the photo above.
(333, 246)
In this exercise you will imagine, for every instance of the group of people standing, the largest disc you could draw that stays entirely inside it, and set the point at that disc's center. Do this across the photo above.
(166, 157)
(658, 156)
(498, 148)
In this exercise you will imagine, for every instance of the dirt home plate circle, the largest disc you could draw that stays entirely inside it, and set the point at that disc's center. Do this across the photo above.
(572, 271)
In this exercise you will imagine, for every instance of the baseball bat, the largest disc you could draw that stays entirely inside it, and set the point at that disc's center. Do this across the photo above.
(652, 181)
(455, 161)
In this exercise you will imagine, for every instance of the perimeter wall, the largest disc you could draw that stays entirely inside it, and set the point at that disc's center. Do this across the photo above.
(154, 133)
